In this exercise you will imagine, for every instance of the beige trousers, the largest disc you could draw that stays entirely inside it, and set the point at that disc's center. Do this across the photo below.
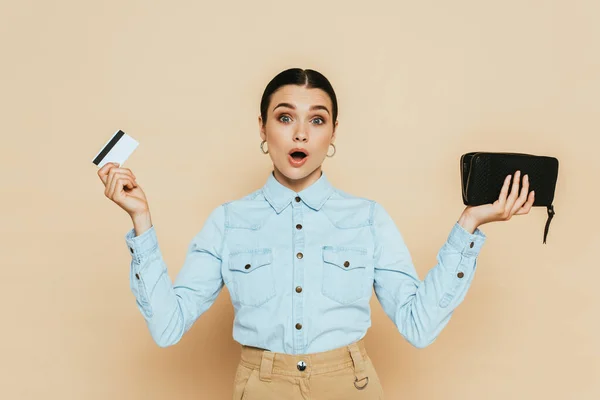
(344, 373)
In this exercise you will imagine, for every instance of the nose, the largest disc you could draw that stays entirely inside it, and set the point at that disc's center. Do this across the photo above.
(300, 135)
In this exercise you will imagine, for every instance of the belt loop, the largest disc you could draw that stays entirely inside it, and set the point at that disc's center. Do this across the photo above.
(359, 367)
(266, 366)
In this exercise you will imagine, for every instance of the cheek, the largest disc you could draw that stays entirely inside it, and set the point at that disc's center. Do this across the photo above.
(324, 144)
(277, 144)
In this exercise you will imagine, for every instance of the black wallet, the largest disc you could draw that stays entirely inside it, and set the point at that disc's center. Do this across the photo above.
(483, 174)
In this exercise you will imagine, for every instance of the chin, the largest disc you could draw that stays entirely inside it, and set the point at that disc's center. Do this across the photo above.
(297, 173)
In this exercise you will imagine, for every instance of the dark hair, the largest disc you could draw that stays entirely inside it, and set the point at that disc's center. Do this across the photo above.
(302, 77)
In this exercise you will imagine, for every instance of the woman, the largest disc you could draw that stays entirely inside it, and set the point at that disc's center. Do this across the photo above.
(300, 259)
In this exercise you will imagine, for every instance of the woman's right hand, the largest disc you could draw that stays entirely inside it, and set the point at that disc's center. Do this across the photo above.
(121, 187)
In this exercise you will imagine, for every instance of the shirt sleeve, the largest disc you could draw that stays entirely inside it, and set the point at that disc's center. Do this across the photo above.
(421, 309)
(171, 309)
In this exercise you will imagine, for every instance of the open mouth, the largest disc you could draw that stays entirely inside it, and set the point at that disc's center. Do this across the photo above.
(298, 154)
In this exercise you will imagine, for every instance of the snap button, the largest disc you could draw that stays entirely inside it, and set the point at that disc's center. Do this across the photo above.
(301, 365)
(298, 326)
(298, 289)
(460, 274)
(297, 199)
(298, 226)
(346, 264)
(471, 245)
(299, 255)
(247, 266)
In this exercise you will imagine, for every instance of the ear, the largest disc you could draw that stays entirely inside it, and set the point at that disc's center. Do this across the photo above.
(261, 129)
(334, 131)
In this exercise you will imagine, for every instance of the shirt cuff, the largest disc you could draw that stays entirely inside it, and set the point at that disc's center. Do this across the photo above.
(141, 246)
(468, 244)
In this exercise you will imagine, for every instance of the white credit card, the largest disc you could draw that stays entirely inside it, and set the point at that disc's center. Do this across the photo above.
(118, 148)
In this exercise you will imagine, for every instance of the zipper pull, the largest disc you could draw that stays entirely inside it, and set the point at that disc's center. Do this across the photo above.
(550, 216)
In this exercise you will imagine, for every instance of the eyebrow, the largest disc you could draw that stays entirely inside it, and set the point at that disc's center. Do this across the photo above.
(288, 105)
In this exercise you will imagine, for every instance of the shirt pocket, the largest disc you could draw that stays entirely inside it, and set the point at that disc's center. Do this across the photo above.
(344, 273)
(252, 276)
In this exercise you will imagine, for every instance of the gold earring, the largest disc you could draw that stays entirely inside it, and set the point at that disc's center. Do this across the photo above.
(334, 150)
(262, 148)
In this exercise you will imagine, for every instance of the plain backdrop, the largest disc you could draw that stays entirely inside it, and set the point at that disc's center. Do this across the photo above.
(418, 83)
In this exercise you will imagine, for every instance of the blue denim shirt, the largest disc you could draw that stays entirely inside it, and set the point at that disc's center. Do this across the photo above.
(300, 269)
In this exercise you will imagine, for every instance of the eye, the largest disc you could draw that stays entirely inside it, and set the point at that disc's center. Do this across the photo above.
(285, 116)
(320, 119)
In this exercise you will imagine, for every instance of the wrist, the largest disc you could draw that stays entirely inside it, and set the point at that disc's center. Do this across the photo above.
(141, 222)
(468, 222)
(140, 216)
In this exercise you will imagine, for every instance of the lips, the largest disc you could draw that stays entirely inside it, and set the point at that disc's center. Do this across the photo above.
(297, 156)
(298, 153)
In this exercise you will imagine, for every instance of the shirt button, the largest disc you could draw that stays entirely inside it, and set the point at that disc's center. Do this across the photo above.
(346, 264)
(247, 266)
(471, 245)
(298, 226)
(460, 274)
(131, 249)
(298, 289)
(298, 326)
(299, 255)
(297, 199)
(137, 276)
(301, 365)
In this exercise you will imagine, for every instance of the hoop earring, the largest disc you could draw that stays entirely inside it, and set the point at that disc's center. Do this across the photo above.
(334, 150)
(262, 148)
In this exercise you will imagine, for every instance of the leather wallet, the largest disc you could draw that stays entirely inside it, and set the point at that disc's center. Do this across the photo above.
(483, 175)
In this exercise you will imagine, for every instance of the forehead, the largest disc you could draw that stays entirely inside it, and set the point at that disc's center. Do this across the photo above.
(300, 96)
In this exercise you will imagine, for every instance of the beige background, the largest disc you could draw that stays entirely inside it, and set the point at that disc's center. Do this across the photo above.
(418, 85)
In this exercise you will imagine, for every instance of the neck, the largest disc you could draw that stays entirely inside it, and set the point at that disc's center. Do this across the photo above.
(297, 185)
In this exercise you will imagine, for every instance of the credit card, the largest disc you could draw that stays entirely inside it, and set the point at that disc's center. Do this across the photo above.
(118, 149)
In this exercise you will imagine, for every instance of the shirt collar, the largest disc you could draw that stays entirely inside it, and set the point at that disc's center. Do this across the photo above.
(314, 196)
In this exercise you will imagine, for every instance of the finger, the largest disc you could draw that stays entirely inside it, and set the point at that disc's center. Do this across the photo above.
(514, 191)
(120, 183)
(108, 182)
(118, 188)
(113, 182)
(117, 170)
(527, 206)
(111, 176)
(129, 183)
(504, 192)
(522, 197)
(127, 171)
(103, 172)
(110, 187)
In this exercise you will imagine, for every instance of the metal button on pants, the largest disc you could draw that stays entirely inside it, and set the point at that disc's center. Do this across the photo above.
(343, 373)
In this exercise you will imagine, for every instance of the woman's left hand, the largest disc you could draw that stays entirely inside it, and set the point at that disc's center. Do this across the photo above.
(506, 206)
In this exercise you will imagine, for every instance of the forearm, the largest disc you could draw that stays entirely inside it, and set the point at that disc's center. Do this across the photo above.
(170, 309)
(421, 309)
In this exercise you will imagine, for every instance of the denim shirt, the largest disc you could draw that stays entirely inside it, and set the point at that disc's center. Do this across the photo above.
(300, 269)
